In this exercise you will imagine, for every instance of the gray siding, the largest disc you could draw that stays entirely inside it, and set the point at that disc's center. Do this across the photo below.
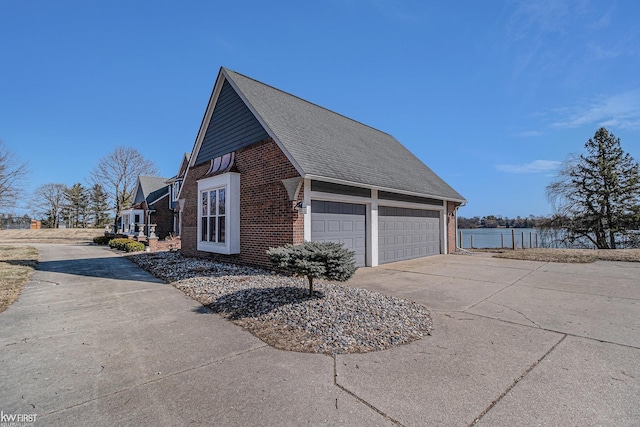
(408, 198)
(232, 126)
(328, 187)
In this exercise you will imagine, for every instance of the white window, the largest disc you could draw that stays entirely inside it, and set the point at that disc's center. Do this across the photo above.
(219, 214)
(213, 215)
(175, 191)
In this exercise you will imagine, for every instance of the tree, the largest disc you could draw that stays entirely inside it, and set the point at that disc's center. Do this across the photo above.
(596, 196)
(50, 199)
(118, 173)
(12, 173)
(98, 205)
(315, 260)
(77, 206)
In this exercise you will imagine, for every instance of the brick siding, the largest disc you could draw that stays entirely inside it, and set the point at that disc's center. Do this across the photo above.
(451, 227)
(163, 217)
(267, 217)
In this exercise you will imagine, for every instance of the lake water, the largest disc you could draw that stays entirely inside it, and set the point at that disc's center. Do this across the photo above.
(497, 237)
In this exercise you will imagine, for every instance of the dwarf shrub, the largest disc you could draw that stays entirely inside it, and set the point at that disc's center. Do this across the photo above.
(126, 245)
(315, 260)
(102, 240)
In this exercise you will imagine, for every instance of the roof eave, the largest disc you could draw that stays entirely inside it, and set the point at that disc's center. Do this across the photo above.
(377, 187)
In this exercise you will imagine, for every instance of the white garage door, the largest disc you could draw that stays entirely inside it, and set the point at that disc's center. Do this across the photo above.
(341, 223)
(407, 233)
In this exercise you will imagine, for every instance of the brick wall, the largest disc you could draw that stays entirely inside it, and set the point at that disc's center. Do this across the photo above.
(156, 245)
(163, 217)
(451, 227)
(267, 217)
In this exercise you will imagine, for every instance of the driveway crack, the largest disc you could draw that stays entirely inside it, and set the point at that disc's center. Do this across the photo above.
(517, 311)
(162, 378)
(508, 286)
(355, 396)
(516, 381)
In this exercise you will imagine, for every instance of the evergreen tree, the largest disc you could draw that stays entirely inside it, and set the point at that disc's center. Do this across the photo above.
(597, 195)
(77, 204)
(99, 205)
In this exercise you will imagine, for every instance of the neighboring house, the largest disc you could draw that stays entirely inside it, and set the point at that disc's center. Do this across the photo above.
(175, 203)
(269, 168)
(150, 206)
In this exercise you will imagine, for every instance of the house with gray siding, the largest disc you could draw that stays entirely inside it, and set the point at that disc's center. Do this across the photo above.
(150, 206)
(269, 168)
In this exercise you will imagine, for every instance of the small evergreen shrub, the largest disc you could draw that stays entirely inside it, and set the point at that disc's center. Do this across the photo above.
(102, 240)
(134, 246)
(126, 245)
(315, 260)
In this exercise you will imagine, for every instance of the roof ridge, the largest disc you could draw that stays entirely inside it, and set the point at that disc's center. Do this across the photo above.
(309, 102)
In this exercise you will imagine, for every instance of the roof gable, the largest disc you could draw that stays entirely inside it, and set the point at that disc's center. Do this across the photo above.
(323, 144)
(149, 189)
(232, 126)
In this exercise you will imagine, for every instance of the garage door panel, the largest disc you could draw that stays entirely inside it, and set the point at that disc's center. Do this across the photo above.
(333, 226)
(342, 223)
(405, 237)
(317, 226)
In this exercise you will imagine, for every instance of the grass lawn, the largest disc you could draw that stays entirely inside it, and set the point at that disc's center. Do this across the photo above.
(50, 235)
(16, 265)
(572, 255)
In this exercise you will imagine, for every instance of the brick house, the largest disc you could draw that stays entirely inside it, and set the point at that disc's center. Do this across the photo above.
(151, 205)
(269, 168)
(175, 203)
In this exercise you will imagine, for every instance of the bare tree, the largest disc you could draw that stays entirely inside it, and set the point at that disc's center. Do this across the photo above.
(50, 200)
(118, 174)
(12, 174)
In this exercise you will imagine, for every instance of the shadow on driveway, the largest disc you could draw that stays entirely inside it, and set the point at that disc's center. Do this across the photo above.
(104, 267)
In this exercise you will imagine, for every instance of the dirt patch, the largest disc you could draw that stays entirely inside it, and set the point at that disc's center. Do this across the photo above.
(572, 255)
(16, 266)
(51, 235)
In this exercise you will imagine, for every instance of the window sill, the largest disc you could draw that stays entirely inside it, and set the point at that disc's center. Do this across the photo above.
(216, 248)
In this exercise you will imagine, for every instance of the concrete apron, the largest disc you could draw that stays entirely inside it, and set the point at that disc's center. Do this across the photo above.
(514, 343)
(95, 340)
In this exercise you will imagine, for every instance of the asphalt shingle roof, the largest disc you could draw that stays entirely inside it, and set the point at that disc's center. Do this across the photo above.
(151, 187)
(326, 144)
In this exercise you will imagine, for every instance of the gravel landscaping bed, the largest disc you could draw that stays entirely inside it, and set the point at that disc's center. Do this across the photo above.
(278, 310)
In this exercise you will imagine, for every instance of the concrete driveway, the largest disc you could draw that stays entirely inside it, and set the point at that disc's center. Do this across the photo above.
(94, 340)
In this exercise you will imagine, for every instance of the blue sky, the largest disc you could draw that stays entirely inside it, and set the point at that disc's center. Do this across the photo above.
(491, 95)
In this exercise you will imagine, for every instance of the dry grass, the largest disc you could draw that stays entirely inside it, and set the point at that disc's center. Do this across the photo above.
(50, 235)
(16, 266)
(572, 255)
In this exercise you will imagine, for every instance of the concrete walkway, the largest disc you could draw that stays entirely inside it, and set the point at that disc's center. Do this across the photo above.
(93, 340)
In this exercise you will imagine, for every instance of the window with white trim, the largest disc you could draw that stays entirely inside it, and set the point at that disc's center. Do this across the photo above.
(219, 214)
(175, 191)
(213, 215)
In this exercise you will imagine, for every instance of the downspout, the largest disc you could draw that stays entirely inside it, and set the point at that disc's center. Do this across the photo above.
(148, 222)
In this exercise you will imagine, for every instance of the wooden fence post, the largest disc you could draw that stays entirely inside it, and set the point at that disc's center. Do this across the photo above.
(513, 239)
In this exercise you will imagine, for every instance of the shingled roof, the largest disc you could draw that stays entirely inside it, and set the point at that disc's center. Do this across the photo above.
(150, 189)
(323, 144)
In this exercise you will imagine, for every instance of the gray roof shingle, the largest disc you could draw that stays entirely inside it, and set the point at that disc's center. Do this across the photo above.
(150, 188)
(326, 144)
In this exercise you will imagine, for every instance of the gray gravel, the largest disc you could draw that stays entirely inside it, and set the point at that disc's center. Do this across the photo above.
(278, 310)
